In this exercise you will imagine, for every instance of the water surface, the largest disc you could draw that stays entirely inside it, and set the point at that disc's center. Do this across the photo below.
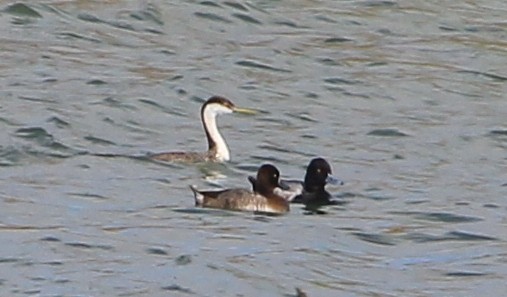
(405, 99)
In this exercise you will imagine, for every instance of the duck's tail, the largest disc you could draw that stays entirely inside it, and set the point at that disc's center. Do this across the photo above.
(253, 181)
(198, 197)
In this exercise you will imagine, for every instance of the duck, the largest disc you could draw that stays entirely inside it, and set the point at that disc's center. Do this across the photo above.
(311, 191)
(218, 151)
(264, 199)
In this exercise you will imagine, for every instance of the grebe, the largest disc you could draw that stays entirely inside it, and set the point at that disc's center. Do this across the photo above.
(218, 150)
(263, 199)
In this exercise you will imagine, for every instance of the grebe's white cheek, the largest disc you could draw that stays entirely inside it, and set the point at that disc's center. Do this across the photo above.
(225, 110)
(219, 109)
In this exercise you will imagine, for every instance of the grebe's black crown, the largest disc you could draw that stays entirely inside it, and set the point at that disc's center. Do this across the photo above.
(219, 100)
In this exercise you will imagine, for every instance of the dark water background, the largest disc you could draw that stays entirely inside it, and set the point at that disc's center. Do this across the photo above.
(406, 99)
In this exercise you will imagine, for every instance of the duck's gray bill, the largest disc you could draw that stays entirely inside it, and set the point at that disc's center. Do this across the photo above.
(334, 181)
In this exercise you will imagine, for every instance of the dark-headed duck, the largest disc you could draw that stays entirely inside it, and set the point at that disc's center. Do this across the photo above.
(262, 199)
(311, 191)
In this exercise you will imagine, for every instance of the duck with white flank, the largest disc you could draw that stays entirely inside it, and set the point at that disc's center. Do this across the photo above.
(263, 199)
(313, 193)
(218, 151)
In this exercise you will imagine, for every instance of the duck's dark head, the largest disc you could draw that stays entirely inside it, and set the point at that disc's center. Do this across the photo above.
(318, 173)
(267, 180)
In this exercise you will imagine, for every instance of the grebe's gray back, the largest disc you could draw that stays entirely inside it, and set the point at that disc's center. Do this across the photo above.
(218, 151)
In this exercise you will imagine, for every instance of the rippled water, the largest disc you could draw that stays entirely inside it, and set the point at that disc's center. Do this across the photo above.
(405, 99)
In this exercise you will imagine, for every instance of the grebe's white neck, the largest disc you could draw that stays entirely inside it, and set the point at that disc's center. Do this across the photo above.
(216, 142)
